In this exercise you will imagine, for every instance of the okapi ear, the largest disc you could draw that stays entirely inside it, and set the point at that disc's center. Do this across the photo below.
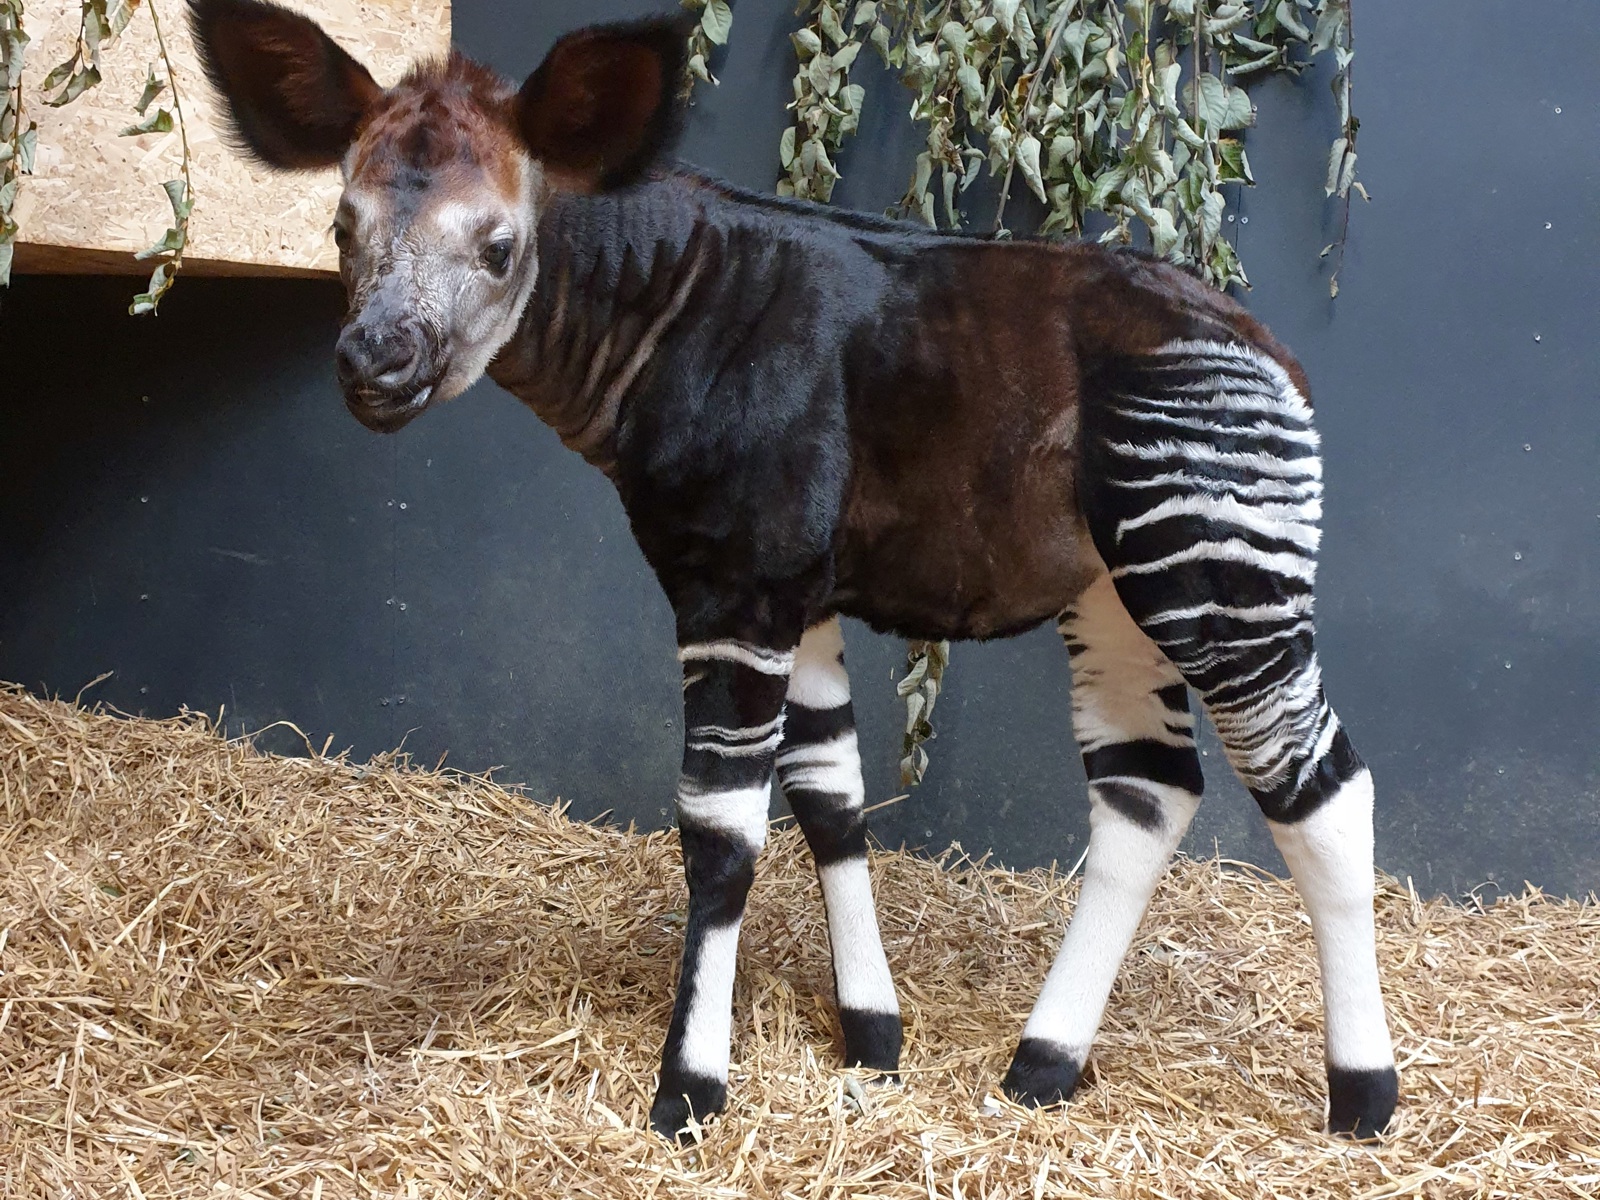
(295, 99)
(604, 103)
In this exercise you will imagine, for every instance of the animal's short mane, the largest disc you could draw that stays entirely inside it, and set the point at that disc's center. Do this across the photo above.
(455, 71)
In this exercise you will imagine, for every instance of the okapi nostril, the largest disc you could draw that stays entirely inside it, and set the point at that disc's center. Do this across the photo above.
(365, 356)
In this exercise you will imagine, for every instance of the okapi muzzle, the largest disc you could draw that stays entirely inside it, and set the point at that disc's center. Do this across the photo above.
(388, 366)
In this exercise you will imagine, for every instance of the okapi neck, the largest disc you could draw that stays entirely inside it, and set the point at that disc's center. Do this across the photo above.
(617, 274)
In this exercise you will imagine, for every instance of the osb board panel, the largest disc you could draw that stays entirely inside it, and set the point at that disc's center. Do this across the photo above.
(95, 198)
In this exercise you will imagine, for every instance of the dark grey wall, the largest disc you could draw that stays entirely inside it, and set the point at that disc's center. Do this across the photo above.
(187, 504)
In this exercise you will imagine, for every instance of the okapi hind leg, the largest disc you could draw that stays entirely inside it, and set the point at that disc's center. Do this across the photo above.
(1130, 713)
(819, 766)
(1203, 492)
(733, 722)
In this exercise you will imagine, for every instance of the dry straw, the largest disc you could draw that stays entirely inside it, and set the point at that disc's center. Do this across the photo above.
(228, 974)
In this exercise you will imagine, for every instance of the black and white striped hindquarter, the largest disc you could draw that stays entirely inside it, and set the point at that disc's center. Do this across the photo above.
(1202, 485)
(1130, 714)
(819, 765)
(733, 695)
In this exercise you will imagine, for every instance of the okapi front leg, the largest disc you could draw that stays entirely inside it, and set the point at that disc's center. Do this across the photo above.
(733, 723)
(819, 766)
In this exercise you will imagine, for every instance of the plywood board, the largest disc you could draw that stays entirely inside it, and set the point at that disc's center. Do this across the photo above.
(95, 198)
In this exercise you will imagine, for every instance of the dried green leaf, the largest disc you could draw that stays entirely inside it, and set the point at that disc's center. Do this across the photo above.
(153, 87)
(159, 121)
(828, 22)
(1217, 105)
(181, 205)
(75, 87)
(1163, 232)
(1335, 164)
(821, 73)
(59, 75)
(971, 85)
(716, 21)
(1232, 165)
(1028, 160)
(1289, 17)
(1333, 26)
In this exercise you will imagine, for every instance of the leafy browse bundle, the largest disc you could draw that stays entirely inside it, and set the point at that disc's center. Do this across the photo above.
(17, 141)
(1119, 107)
(99, 24)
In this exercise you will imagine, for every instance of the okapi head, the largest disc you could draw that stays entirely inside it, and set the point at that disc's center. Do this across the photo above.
(445, 176)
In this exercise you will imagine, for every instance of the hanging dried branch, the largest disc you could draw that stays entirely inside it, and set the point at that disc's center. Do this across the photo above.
(709, 32)
(180, 192)
(925, 664)
(99, 24)
(1094, 113)
(17, 140)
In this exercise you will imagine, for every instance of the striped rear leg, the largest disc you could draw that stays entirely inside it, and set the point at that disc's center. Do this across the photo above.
(1204, 495)
(733, 722)
(1130, 713)
(819, 766)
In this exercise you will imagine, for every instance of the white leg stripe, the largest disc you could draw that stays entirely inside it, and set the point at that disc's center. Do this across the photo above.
(861, 971)
(1254, 461)
(1295, 566)
(1171, 419)
(757, 658)
(744, 733)
(833, 766)
(1115, 674)
(708, 1025)
(1286, 522)
(734, 749)
(1291, 608)
(741, 812)
(1330, 856)
(819, 679)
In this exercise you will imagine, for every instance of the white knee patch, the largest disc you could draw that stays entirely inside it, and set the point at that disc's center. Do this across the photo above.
(1115, 675)
(819, 679)
(739, 812)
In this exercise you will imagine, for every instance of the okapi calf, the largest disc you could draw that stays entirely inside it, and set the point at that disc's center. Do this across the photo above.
(809, 413)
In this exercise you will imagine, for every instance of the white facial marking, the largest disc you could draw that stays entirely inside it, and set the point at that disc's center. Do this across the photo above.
(433, 268)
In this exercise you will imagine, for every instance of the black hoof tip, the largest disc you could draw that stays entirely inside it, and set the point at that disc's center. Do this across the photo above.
(682, 1096)
(871, 1040)
(1042, 1074)
(1360, 1103)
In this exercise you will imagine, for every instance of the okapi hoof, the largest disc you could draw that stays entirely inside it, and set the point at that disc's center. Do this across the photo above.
(1360, 1103)
(681, 1096)
(871, 1040)
(1042, 1074)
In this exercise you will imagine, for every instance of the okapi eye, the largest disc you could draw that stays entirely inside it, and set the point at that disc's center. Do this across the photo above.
(341, 238)
(497, 256)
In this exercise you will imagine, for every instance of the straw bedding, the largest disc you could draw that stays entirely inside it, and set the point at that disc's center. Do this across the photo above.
(227, 974)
